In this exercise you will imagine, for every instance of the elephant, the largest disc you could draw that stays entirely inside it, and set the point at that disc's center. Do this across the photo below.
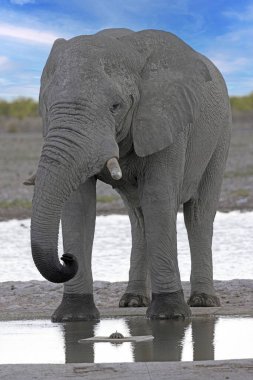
(147, 114)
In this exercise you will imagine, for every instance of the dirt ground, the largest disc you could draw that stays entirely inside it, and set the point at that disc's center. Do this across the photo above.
(20, 146)
(38, 299)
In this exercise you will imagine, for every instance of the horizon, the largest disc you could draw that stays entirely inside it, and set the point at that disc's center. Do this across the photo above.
(221, 30)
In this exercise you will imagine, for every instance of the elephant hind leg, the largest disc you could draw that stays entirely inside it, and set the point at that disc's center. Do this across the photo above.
(198, 299)
(199, 215)
(137, 293)
(134, 300)
(199, 224)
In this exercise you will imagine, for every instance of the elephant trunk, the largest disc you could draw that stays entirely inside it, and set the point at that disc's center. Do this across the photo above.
(65, 162)
(49, 195)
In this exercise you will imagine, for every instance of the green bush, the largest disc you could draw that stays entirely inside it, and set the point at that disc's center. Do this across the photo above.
(27, 107)
(19, 108)
(242, 103)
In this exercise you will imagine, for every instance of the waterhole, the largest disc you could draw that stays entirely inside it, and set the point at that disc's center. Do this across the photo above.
(41, 341)
(232, 248)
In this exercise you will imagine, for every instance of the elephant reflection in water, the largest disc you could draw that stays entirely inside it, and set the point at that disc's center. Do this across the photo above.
(203, 333)
(77, 352)
(169, 338)
(167, 344)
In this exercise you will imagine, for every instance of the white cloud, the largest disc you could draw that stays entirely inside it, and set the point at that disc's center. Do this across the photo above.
(10, 92)
(27, 34)
(22, 2)
(240, 36)
(238, 86)
(227, 64)
(5, 63)
(245, 15)
(230, 52)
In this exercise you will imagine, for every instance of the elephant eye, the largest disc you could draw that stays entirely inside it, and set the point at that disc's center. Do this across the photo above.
(115, 107)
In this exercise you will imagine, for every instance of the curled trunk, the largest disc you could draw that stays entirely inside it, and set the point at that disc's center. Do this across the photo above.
(69, 155)
(49, 195)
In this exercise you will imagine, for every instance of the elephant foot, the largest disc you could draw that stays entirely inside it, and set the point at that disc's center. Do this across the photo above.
(76, 307)
(134, 300)
(168, 306)
(203, 300)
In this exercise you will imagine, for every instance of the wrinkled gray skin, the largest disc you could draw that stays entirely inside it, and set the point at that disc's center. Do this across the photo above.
(150, 100)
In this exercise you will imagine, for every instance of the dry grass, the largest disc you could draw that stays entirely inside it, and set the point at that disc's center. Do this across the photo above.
(15, 125)
(21, 142)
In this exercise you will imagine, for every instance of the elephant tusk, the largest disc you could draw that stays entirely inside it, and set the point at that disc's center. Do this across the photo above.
(114, 168)
(30, 181)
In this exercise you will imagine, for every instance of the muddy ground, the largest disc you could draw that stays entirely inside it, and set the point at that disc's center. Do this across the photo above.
(39, 299)
(20, 146)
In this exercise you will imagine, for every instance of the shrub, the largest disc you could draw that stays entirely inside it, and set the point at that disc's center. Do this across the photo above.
(242, 103)
(19, 108)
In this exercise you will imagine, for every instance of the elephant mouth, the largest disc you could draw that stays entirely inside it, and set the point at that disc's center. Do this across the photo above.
(112, 165)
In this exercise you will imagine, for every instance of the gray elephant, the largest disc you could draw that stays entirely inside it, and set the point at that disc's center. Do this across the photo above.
(145, 113)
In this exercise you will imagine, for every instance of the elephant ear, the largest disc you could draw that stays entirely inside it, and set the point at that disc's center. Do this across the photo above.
(47, 73)
(169, 101)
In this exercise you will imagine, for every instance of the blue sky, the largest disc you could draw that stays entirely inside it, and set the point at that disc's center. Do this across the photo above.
(222, 30)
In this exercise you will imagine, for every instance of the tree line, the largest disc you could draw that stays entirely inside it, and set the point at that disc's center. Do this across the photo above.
(19, 108)
(27, 107)
(242, 103)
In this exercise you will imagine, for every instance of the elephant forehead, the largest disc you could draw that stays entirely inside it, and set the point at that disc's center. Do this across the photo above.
(91, 51)
(89, 47)
(94, 72)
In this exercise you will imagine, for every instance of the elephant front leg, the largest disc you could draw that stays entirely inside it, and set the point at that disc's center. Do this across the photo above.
(78, 225)
(160, 228)
(138, 290)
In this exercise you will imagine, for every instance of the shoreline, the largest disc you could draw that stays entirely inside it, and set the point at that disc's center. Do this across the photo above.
(32, 296)
(23, 213)
(38, 299)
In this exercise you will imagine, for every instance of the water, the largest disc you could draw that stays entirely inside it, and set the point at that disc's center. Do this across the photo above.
(200, 339)
(232, 248)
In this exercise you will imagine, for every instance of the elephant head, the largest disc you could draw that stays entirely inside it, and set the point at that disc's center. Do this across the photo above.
(95, 91)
